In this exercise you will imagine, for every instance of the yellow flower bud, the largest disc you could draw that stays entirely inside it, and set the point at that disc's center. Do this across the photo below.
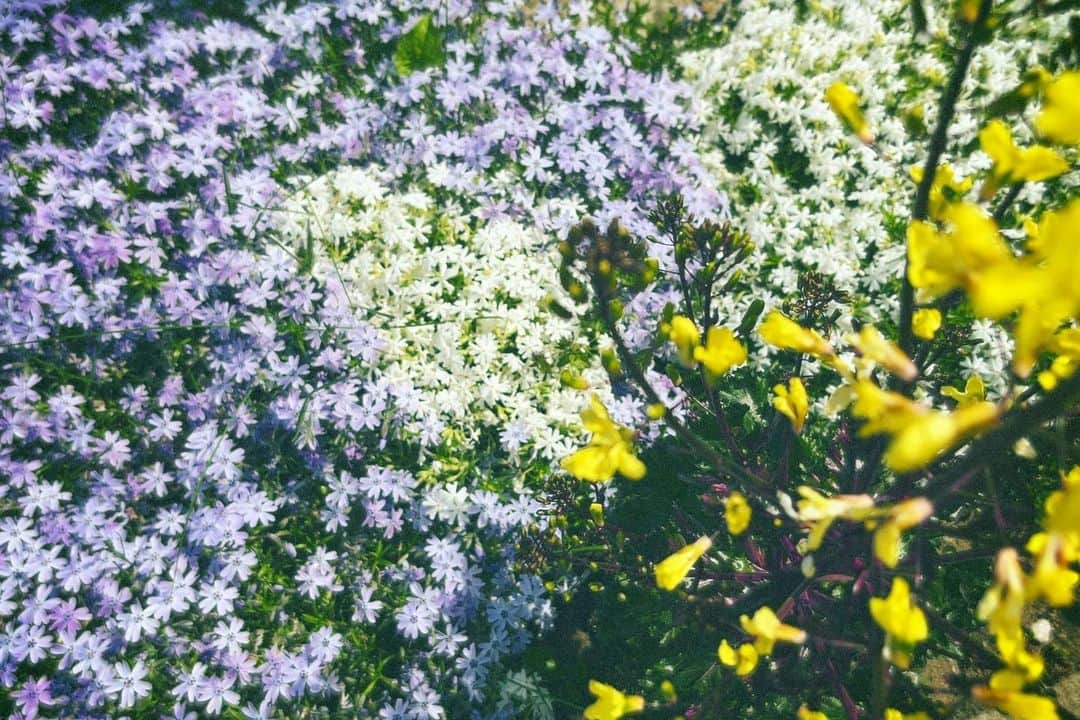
(737, 513)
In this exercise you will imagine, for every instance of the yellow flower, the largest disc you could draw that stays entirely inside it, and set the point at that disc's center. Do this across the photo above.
(819, 512)
(974, 391)
(791, 401)
(919, 433)
(610, 703)
(1017, 705)
(737, 513)
(1052, 578)
(768, 630)
(941, 262)
(845, 103)
(1063, 515)
(1013, 164)
(682, 331)
(805, 713)
(1002, 605)
(928, 436)
(894, 714)
(873, 345)
(926, 322)
(781, 331)
(721, 351)
(1059, 120)
(903, 622)
(902, 516)
(608, 451)
(1048, 289)
(671, 571)
(944, 190)
(744, 659)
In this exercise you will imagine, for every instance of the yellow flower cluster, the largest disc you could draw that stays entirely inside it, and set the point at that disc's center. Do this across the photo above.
(1052, 580)
(919, 433)
(960, 246)
(888, 523)
(766, 629)
(718, 355)
(609, 450)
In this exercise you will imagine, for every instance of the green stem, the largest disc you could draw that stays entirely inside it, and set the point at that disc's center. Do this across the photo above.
(921, 207)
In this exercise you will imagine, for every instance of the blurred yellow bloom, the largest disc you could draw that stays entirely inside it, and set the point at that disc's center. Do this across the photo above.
(1002, 606)
(744, 659)
(791, 401)
(682, 331)
(944, 190)
(1017, 705)
(1052, 579)
(939, 262)
(768, 630)
(781, 331)
(610, 703)
(974, 391)
(671, 571)
(609, 450)
(820, 512)
(1063, 514)
(902, 516)
(845, 103)
(721, 351)
(873, 345)
(903, 622)
(1013, 164)
(919, 434)
(925, 323)
(1059, 120)
(805, 713)
(894, 714)
(737, 513)
(1048, 291)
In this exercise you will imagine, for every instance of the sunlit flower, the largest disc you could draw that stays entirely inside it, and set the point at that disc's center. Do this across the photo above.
(671, 571)
(610, 703)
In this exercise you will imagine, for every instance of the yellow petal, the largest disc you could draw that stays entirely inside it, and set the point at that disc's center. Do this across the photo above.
(671, 571)
(1059, 120)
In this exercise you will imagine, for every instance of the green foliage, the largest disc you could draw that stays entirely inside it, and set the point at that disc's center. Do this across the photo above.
(424, 46)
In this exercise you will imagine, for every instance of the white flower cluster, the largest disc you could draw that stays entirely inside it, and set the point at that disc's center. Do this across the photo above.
(469, 342)
(810, 195)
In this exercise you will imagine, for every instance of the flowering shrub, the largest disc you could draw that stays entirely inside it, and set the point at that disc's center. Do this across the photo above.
(808, 193)
(844, 536)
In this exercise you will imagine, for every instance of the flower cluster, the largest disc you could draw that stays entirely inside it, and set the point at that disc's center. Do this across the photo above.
(828, 197)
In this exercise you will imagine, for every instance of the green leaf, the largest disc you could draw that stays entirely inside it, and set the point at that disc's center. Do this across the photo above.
(422, 47)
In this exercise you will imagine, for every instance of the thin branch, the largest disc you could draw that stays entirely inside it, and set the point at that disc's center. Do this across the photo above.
(921, 207)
